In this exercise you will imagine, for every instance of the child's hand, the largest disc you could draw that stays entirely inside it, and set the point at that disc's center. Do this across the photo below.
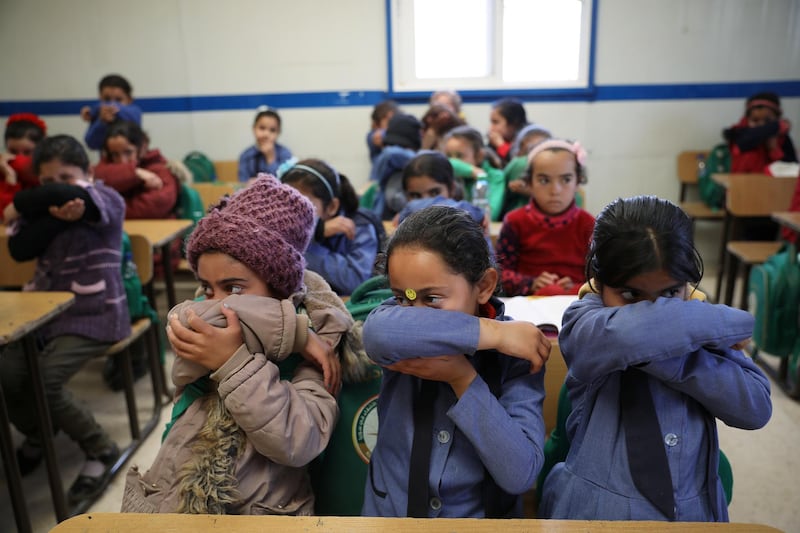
(742, 345)
(108, 112)
(9, 174)
(543, 280)
(495, 139)
(377, 137)
(10, 213)
(522, 340)
(322, 355)
(520, 187)
(204, 344)
(455, 370)
(266, 147)
(86, 113)
(150, 179)
(340, 225)
(565, 283)
(71, 211)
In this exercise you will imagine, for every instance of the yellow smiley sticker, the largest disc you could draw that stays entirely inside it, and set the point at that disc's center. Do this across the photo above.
(411, 294)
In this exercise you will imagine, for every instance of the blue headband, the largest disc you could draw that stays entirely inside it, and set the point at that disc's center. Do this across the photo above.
(319, 176)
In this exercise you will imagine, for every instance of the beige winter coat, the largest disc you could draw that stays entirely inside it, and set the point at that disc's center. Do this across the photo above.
(285, 424)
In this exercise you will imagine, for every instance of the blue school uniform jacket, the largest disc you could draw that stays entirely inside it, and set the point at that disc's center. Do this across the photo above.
(694, 377)
(252, 162)
(471, 434)
(95, 135)
(345, 263)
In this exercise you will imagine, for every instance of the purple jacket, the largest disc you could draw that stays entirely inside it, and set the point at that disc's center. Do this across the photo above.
(86, 259)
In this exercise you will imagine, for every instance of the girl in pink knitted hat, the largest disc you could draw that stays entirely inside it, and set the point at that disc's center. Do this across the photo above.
(256, 365)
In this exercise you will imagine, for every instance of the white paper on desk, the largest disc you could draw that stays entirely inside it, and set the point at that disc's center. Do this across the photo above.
(784, 169)
(544, 310)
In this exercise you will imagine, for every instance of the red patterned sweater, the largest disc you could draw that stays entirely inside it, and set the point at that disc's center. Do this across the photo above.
(531, 242)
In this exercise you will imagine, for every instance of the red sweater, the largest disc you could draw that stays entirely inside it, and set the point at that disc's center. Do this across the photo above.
(756, 158)
(141, 202)
(26, 179)
(531, 242)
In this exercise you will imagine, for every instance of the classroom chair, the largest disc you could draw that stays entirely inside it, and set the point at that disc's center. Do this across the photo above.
(211, 193)
(143, 328)
(687, 177)
(227, 171)
(749, 196)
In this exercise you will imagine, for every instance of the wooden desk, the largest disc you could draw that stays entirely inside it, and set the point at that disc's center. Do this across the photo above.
(179, 523)
(20, 314)
(161, 233)
(790, 219)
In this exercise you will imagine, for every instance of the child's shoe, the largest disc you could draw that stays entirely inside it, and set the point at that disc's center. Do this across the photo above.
(92, 480)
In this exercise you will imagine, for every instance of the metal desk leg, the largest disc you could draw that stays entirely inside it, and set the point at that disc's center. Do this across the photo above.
(14, 479)
(726, 236)
(45, 428)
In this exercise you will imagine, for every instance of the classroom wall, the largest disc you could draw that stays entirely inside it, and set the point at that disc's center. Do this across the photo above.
(58, 50)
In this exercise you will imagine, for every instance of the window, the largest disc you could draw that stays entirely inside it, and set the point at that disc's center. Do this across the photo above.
(490, 45)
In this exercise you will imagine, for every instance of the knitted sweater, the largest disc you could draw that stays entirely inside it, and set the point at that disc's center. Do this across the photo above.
(84, 258)
(531, 242)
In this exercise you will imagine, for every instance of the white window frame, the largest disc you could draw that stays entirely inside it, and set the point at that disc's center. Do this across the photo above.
(403, 81)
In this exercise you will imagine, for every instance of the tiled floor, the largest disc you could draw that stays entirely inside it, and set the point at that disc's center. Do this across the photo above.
(765, 463)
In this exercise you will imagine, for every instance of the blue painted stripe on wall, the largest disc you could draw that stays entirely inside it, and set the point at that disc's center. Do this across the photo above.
(187, 104)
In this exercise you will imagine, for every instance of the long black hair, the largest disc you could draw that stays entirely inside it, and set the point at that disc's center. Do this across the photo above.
(642, 234)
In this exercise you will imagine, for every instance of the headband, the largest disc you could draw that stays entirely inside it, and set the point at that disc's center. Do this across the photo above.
(574, 148)
(28, 117)
(764, 103)
(319, 176)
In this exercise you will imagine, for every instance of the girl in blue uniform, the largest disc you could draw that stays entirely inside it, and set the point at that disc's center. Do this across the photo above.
(460, 407)
(347, 238)
(650, 371)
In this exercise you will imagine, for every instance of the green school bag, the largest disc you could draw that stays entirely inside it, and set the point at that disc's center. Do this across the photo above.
(190, 206)
(201, 167)
(718, 161)
(368, 296)
(773, 298)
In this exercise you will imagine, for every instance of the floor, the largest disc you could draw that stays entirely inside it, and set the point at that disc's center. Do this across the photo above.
(765, 462)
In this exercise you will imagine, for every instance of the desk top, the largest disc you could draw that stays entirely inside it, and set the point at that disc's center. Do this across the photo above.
(724, 179)
(158, 231)
(177, 523)
(790, 219)
(23, 312)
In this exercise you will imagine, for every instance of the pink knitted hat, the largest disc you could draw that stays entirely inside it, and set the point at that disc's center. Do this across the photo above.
(267, 226)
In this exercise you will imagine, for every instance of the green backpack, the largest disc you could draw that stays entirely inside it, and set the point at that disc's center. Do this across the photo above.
(773, 296)
(201, 167)
(190, 206)
(718, 161)
(368, 296)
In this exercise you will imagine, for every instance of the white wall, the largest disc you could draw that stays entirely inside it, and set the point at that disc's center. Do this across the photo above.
(58, 50)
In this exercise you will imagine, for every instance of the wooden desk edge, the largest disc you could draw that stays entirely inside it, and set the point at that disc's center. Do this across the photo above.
(124, 522)
(790, 219)
(63, 300)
